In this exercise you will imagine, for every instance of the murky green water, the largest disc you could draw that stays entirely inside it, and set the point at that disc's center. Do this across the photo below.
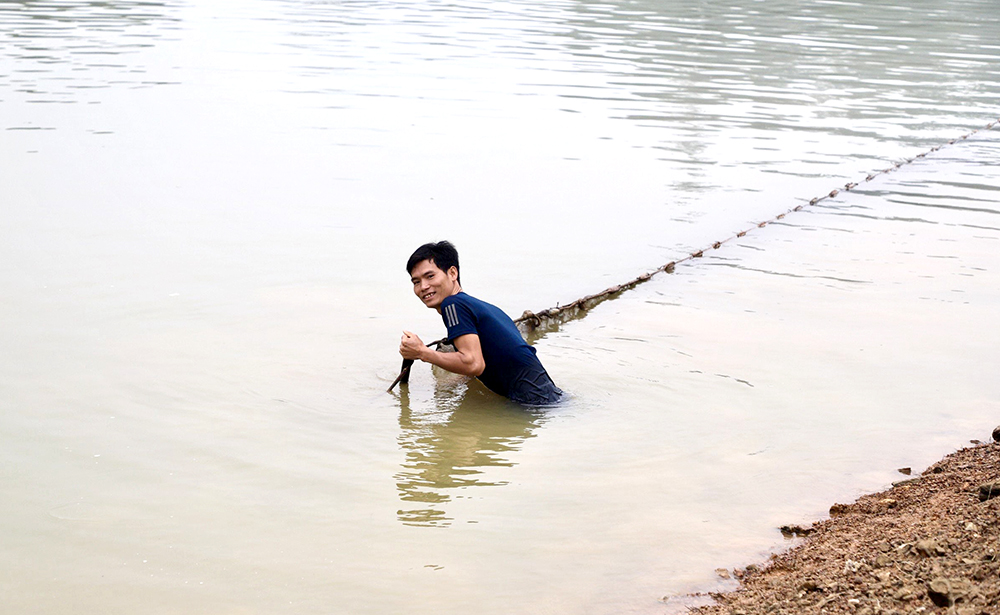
(206, 211)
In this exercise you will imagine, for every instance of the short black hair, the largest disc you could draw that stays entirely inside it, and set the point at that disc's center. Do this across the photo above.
(443, 254)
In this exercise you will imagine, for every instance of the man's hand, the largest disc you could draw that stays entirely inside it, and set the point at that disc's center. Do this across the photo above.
(466, 360)
(412, 347)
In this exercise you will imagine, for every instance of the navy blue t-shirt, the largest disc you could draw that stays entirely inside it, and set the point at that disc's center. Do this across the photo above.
(508, 357)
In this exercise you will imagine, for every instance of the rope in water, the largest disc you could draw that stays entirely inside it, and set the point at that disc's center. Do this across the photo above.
(530, 321)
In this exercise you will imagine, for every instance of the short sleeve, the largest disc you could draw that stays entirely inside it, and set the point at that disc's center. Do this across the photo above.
(458, 318)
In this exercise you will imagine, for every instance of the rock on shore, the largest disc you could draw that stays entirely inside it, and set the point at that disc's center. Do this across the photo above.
(927, 545)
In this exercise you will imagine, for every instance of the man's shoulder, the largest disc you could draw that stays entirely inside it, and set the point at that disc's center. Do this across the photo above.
(460, 312)
(463, 298)
(477, 307)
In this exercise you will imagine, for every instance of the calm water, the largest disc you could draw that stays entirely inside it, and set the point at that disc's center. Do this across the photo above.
(206, 209)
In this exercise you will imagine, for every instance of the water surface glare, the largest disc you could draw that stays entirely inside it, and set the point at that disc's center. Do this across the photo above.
(206, 211)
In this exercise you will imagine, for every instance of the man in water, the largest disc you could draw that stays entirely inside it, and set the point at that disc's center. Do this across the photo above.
(487, 343)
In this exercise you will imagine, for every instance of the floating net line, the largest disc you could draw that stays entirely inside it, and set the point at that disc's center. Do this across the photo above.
(534, 322)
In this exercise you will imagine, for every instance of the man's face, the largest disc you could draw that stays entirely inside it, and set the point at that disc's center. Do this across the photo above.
(431, 285)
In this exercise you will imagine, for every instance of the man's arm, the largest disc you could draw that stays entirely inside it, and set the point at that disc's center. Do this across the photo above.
(467, 360)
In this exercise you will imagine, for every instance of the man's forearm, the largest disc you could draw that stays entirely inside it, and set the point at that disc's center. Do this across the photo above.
(457, 362)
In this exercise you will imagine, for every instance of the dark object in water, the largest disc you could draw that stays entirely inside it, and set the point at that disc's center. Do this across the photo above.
(996, 433)
(404, 375)
(404, 371)
(790, 531)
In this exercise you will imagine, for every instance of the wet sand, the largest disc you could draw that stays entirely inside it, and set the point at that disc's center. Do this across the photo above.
(930, 544)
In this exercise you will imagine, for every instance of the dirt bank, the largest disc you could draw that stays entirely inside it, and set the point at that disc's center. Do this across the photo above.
(930, 544)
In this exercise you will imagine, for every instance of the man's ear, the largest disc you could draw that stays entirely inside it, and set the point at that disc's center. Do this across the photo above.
(453, 272)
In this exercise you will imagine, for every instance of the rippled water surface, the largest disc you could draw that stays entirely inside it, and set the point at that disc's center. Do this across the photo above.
(206, 211)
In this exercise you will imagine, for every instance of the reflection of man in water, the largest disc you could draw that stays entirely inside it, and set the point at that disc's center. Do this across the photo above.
(455, 441)
(487, 342)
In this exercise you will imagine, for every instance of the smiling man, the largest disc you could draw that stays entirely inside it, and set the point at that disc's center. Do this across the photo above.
(487, 343)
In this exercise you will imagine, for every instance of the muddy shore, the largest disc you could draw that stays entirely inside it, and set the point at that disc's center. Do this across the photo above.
(929, 544)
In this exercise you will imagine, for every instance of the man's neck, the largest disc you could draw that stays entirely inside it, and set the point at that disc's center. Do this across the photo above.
(457, 290)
